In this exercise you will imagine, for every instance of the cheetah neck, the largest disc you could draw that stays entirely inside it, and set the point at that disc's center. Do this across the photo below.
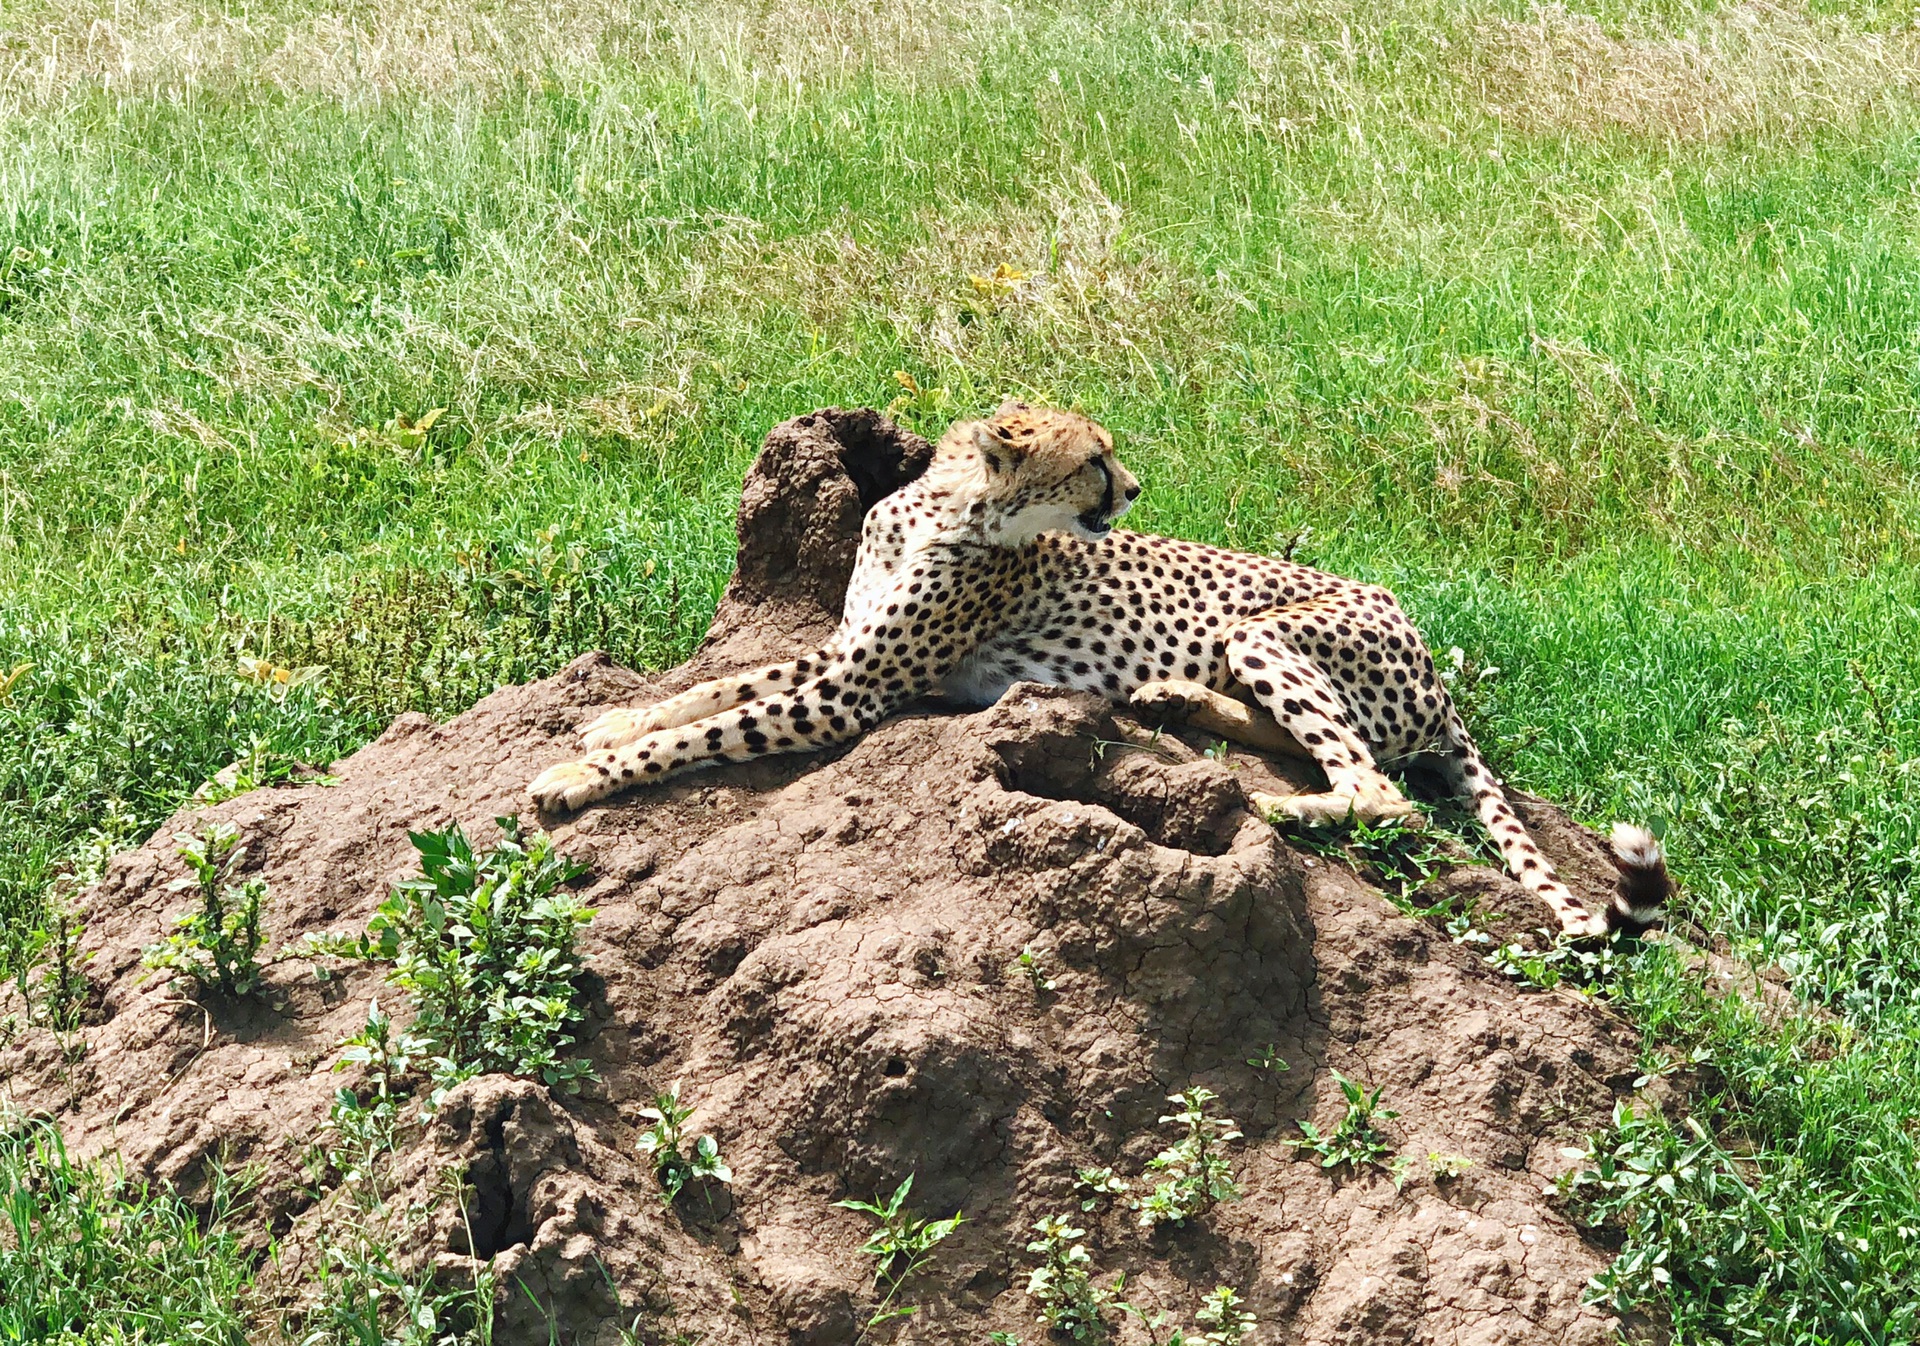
(936, 511)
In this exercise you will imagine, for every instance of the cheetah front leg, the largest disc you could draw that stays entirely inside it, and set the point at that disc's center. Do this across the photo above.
(888, 663)
(622, 726)
(816, 714)
(1305, 703)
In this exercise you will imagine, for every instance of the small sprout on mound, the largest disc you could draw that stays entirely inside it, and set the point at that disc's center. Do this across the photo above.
(662, 1141)
(1002, 1339)
(484, 946)
(218, 946)
(1226, 1322)
(1355, 1142)
(1099, 1183)
(1198, 1175)
(900, 1247)
(1070, 1302)
(1036, 972)
(1269, 1059)
(52, 979)
(1447, 1167)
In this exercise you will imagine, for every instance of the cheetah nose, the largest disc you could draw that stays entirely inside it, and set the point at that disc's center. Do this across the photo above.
(1132, 492)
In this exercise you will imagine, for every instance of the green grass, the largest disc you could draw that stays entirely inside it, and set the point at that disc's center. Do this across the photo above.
(1618, 389)
(90, 1257)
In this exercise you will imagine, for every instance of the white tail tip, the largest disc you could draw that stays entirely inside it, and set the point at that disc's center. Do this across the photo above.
(1636, 846)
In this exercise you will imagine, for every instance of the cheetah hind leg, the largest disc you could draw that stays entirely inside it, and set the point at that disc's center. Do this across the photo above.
(1306, 706)
(1214, 712)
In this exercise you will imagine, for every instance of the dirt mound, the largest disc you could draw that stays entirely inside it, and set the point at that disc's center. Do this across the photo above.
(824, 951)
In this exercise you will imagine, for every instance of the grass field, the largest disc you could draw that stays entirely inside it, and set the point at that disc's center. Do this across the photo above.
(1594, 331)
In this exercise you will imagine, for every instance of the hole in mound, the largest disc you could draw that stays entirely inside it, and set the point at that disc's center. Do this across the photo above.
(894, 1068)
(1187, 806)
(496, 1220)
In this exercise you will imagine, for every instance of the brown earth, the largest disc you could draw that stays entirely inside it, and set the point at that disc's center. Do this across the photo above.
(822, 951)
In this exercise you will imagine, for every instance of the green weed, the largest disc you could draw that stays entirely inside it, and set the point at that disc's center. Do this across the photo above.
(90, 1255)
(1355, 1141)
(484, 946)
(1198, 1174)
(1222, 1322)
(218, 945)
(663, 1143)
(1097, 1185)
(1071, 1303)
(900, 1247)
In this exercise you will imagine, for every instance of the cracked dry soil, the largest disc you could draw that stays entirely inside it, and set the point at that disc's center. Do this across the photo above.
(822, 950)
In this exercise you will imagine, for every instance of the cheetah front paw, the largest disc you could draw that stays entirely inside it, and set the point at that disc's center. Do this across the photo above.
(619, 727)
(568, 786)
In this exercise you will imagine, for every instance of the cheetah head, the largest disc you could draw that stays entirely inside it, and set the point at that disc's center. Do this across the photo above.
(1031, 470)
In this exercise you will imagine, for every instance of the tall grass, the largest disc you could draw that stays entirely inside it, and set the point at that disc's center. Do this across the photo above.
(1591, 330)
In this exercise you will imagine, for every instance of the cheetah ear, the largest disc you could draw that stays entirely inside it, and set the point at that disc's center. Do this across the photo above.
(991, 442)
(1011, 406)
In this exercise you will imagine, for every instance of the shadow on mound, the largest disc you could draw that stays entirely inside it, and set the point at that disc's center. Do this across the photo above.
(823, 953)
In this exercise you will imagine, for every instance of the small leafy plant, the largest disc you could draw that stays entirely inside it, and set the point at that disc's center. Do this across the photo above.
(1070, 1302)
(1269, 1058)
(1035, 970)
(1222, 1321)
(663, 1142)
(52, 979)
(1592, 971)
(1198, 1174)
(484, 946)
(1355, 1142)
(358, 1132)
(218, 945)
(1447, 1167)
(1097, 1184)
(900, 1247)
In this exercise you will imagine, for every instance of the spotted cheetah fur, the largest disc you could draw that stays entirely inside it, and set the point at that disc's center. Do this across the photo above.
(1001, 564)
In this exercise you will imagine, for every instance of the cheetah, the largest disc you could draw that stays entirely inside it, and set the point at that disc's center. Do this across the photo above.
(1001, 564)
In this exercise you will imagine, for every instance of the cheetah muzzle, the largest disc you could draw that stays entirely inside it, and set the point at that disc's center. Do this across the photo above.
(1001, 564)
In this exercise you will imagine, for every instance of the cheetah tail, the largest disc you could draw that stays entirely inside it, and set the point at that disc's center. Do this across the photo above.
(1644, 884)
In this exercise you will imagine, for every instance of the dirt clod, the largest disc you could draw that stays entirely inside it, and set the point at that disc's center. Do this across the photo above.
(823, 952)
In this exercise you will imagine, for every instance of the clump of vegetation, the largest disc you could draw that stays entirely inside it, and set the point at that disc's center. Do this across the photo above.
(1355, 1142)
(85, 1248)
(1198, 1173)
(1222, 1321)
(52, 981)
(217, 945)
(1446, 1167)
(1589, 968)
(365, 1294)
(663, 1143)
(484, 945)
(366, 1287)
(900, 1247)
(1687, 1222)
(1071, 1303)
(359, 1131)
